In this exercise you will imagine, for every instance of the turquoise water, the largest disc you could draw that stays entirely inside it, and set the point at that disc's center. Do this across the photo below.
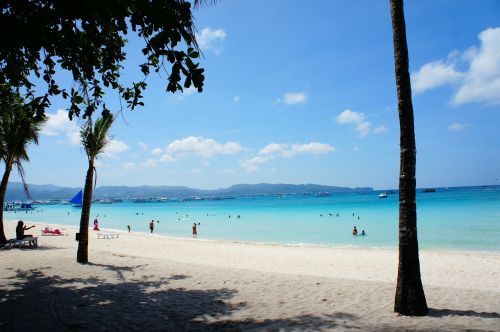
(454, 219)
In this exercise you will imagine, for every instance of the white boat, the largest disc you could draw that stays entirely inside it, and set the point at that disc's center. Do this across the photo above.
(382, 195)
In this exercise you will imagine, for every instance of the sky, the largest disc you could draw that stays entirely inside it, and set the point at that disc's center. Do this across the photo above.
(304, 92)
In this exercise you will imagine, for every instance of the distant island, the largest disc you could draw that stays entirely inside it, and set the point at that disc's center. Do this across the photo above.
(45, 192)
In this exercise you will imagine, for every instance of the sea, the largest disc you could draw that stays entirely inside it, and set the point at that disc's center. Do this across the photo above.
(460, 218)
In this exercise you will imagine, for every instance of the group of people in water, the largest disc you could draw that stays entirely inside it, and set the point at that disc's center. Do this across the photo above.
(355, 232)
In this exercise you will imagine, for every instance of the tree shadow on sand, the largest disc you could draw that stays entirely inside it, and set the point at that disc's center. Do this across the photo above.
(467, 313)
(34, 300)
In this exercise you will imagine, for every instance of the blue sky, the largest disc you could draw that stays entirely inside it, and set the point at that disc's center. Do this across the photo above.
(302, 92)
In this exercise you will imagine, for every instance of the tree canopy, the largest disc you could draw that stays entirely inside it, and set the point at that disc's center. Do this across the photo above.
(86, 38)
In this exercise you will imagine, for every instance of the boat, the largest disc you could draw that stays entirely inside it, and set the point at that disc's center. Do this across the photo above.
(382, 195)
(77, 200)
(26, 206)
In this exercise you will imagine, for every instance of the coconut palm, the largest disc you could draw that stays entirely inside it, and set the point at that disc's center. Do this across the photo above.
(410, 297)
(19, 127)
(94, 137)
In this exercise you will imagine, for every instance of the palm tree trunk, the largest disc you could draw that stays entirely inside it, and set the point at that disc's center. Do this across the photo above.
(410, 297)
(3, 190)
(82, 255)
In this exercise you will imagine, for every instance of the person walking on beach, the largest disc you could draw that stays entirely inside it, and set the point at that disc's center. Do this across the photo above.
(152, 226)
(195, 231)
(354, 231)
(128, 227)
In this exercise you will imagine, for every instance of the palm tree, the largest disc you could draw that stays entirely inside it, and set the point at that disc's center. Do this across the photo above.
(410, 297)
(94, 139)
(19, 127)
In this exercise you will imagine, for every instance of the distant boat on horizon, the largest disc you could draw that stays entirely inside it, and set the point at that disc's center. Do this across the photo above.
(77, 200)
(382, 195)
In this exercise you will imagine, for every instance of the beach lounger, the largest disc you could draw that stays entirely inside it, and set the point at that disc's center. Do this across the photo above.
(12, 243)
(107, 235)
(50, 232)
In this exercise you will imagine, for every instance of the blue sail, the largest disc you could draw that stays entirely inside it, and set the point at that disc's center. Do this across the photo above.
(78, 199)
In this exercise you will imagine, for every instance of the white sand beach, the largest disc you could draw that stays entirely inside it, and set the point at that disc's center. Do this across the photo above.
(153, 282)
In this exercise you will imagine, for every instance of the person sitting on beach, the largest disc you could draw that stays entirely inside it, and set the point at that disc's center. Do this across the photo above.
(195, 232)
(354, 231)
(363, 233)
(96, 225)
(152, 226)
(20, 228)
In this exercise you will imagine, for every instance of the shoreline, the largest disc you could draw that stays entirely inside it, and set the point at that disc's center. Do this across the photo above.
(258, 243)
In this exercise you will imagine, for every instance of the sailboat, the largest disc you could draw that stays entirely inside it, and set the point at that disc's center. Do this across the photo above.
(77, 200)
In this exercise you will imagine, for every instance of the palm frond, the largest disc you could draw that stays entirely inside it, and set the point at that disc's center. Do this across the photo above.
(94, 135)
(19, 127)
(22, 175)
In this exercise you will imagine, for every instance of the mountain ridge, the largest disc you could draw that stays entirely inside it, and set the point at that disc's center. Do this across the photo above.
(49, 191)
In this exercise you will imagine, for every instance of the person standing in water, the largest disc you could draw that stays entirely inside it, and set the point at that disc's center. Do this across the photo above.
(354, 231)
(195, 231)
(152, 226)
(128, 227)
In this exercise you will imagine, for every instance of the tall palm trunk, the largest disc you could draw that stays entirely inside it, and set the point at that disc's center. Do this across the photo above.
(3, 190)
(410, 297)
(82, 255)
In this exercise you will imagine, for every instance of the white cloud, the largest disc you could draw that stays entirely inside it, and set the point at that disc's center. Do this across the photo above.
(482, 81)
(205, 147)
(363, 127)
(166, 158)
(349, 116)
(59, 124)
(292, 98)
(380, 129)
(115, 146)
(236, 99)
(128, 166)
(211, 39)
(186, 92)
(157, 151)
(151, 163)
(434, 74)
(275, 150)
(312, 148)
(457, 126)
(479, 83)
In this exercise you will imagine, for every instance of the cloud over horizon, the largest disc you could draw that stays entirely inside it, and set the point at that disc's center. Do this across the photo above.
(283, 150)
(479, 83)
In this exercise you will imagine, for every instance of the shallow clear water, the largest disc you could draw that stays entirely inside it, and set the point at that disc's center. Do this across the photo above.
(458, 218)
